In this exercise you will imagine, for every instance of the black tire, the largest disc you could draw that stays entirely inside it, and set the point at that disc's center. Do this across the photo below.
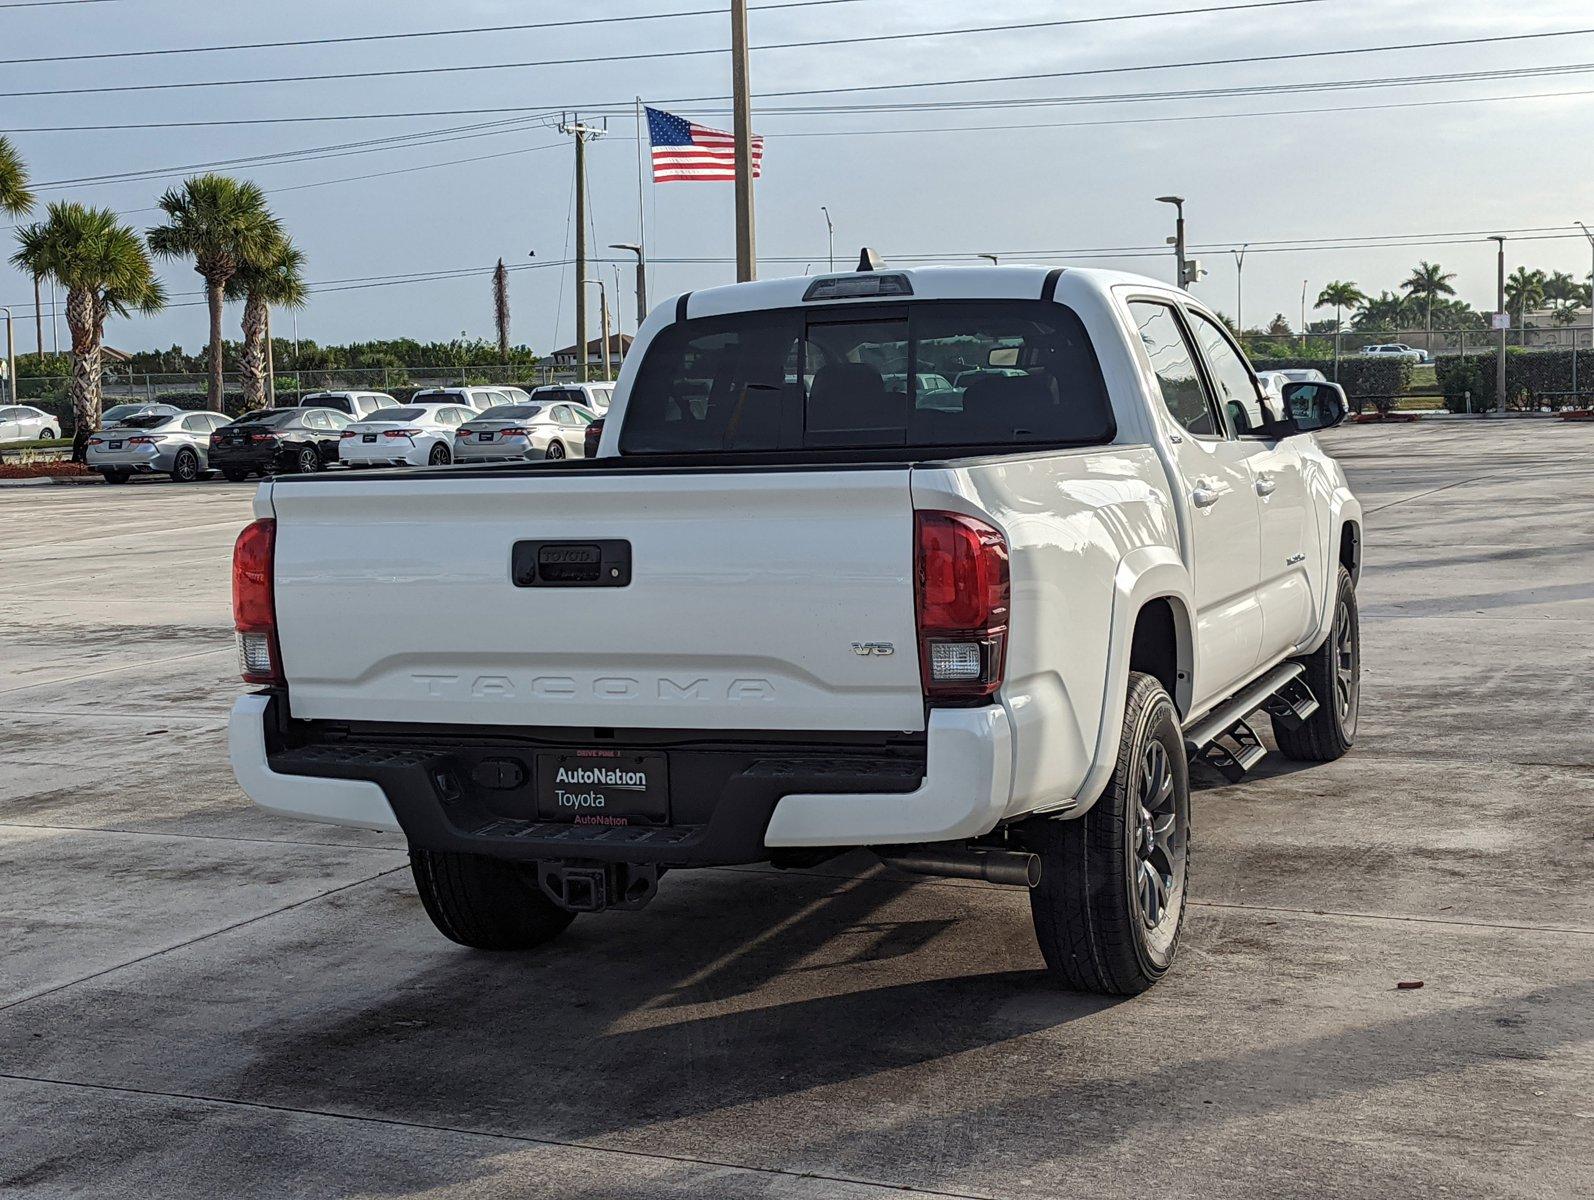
(485, 903)
(186, 468)
(555, 450)
(117, 476)
(1097, 914)
(307, 461)
(1334, 673)
(48, 435)
(233, 476)
(440, 456)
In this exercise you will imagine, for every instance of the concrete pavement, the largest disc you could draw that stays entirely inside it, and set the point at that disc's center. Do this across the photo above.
(197, 999)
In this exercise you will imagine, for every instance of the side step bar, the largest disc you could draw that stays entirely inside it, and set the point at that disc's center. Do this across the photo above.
(1282, 692)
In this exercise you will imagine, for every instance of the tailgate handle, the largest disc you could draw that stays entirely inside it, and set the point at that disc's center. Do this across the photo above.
(603, 562)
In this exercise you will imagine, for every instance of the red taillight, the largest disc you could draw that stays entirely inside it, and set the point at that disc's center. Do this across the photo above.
(409, 433)
(512, 431)
(963, 593)
(262, 437)
(254, 610)
(142, 441)
(589, 441)
(348, 433)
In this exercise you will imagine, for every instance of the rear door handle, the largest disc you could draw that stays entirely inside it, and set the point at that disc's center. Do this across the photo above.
(1265, 485)
(1204, 496)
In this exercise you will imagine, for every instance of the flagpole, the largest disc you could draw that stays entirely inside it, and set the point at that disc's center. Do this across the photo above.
(641, 215)
(742, 108)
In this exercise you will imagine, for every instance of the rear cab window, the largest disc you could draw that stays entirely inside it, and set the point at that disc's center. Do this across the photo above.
(871, 376)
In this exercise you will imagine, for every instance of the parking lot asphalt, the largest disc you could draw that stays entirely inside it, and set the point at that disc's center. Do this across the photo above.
(200, 1000)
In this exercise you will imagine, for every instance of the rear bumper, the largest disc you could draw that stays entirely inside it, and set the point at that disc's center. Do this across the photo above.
(148, 458)
(734, 799)
(381, 453)
(227, 458)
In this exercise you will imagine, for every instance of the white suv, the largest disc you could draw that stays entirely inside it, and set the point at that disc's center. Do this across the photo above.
(354, 405)
(595, 396)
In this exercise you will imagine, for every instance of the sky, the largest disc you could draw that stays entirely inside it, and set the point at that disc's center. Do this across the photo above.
(1029, 183)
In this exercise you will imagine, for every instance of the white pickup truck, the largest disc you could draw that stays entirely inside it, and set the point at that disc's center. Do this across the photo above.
(796, 606)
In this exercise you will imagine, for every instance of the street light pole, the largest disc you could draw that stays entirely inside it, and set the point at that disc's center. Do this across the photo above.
(1239, 286)
(994, 260)
(641, 278)
(1179, 277)
(1303, 314)
(830, 228)
(742, 134)
(1499, 366)
(1590, 237)
(603, 311)
(11, 355)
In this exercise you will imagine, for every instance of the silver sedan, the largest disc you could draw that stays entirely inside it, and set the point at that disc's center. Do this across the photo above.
(175, 444)
(521, 431)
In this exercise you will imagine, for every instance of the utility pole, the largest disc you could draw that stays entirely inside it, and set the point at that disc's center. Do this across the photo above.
(271, 366)
(1239, 286)
(641, 278)
(603, 310)
(582, 133)
(1303, 314)
(830, 228)
(742, 131)
(1181, 276)
(1500, 320)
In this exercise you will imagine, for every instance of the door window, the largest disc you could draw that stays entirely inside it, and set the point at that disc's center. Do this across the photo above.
(198, 423)
(1235, 383)
(1183, 393)
(316, 419)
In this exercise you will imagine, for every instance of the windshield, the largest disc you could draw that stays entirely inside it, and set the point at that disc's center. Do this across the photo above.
(268, 416)
(120, 412)
(510, 412)
(860, 376)
(145, 421)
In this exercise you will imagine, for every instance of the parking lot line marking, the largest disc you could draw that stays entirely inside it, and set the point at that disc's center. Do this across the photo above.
(22, 687)
(143, 958)
(901, 1189)
(209, 837)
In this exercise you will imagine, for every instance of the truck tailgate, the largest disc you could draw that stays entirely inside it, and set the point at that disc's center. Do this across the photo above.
(748, 590)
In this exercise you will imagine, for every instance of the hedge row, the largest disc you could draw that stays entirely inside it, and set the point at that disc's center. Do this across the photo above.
(1533, 379)
(1365, 377)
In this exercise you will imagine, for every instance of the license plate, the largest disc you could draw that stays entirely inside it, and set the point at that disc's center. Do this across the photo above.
(116, 445)
(368, 437)
(603, 787)
(484, 437)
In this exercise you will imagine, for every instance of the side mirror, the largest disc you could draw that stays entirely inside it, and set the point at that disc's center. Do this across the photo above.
(1312, 406)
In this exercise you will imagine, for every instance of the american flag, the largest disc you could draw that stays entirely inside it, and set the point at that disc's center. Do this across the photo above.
(684, 151)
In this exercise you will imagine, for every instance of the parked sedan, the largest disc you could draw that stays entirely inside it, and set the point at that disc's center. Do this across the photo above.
(155, 443)
(273, 440)
(413, 435)
(24, 423)
(518, 431)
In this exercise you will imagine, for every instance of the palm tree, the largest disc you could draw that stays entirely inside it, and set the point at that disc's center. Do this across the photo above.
(277, 279)
(501, 309)
(16, 198)
(104, 268)
(1340, 295)
(1428, 282)
(223, 225)
(1383, 312)
(1524, 289)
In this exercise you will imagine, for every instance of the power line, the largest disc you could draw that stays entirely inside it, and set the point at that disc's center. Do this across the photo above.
(695, 12)
(828, 42)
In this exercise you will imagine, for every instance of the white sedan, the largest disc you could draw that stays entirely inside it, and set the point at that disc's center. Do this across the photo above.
(518, 431)
(24, 423)
(413, 435)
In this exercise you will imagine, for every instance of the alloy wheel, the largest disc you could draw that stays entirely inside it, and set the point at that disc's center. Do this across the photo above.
(1159, 837)
(1347, 669)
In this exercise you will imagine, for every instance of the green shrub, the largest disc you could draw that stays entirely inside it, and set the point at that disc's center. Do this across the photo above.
(1533, 379)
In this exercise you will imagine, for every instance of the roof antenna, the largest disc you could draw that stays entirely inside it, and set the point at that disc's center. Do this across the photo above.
(868, 260)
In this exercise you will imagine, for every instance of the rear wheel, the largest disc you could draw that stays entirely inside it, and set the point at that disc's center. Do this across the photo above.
(485, 903)
(48, 435)
(307, 461)
(439, 455)
(1111, 899)
(555, 450)
(186, 468)
(116, 476)
(1334, 673)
